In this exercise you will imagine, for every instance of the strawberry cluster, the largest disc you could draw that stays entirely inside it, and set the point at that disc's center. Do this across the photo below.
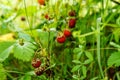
(61, 38)
(41, 62)
(36, 63)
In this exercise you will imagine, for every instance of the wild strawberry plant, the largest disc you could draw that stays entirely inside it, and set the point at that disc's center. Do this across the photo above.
(59, 39)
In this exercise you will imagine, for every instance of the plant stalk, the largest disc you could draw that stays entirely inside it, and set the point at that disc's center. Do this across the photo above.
(98, 48)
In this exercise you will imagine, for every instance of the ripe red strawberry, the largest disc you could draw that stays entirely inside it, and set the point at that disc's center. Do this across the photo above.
(72, 13)
(72, 22)
(41, 2)
(67, 33)
(39, 71)
(36, 63)
(61, 39)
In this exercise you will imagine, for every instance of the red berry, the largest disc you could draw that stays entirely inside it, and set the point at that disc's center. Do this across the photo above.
(39, 71)
(72, 13)
(72, 23)
(41, 2)
(61, 39)
(47, 17)
(36, 63)
(67, 33)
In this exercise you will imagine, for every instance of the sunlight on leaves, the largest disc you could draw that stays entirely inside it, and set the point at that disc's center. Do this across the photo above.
(24, 52)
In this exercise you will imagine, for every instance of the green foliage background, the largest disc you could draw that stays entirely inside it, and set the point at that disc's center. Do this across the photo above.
(92, 49)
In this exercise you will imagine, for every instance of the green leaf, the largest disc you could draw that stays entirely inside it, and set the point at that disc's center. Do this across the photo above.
(26, 77)
(76, 61)
(84, 71)
(77, 53)
(76, 77)
(89, 55)
(95, 78)
(116, 35)
(44, 37)
(10, 18)
(77, 50)
(24, 36)
(30, 45)
(114, 59)
(2, 73)
(114, 45)
(4, 45)
(30, 73)
(24, 52)
(87, 61)
(118, 21)
(5, 48)
(75, 68)
(30, 9)
(5, 53)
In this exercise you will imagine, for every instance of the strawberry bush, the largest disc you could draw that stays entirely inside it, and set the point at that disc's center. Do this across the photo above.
(60, 40)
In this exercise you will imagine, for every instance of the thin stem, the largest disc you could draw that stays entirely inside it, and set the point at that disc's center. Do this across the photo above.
(88, 34)
(14, 72)
(98, 48)
(27, 17)
(94, 49)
